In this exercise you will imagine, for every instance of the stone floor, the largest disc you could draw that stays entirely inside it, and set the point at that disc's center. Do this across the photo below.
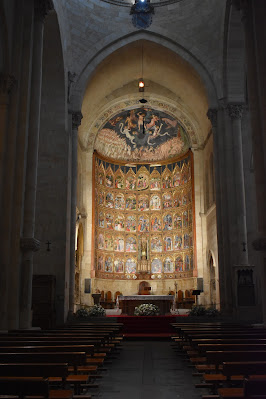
(148, 370)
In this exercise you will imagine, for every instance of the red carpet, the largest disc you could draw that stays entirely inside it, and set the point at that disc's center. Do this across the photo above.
(147, 326)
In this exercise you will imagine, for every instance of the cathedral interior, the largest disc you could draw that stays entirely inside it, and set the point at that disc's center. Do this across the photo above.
(133, 154)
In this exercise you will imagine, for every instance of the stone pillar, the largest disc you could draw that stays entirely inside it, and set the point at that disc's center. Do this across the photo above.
(235, 112)
(253, 19)
(6, 84)
(29, 244)
(76, 121)
(212, 114)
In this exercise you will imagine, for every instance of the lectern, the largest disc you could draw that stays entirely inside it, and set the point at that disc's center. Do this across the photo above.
(96, 298)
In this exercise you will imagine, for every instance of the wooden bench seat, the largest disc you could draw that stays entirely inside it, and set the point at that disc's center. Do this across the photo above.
(88, 349)
(56, 372)
(219, 357)
(44, 370)
(73, 358)
(31, 386)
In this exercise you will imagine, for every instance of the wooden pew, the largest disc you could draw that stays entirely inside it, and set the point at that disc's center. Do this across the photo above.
(203, 348)
(44, 370)
(255, 388)
(31, 386)
(19, 343)
(88, 349)
(73, 358)
(54, 372)
(244, 368)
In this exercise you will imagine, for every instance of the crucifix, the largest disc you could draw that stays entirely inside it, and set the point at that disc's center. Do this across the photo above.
(175, 288)
(48, 243)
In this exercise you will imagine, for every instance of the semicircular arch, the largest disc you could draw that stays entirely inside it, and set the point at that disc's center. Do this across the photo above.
(160, 103)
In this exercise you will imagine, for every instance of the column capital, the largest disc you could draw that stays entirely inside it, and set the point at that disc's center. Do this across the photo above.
(76, 119)
(212, 116)
(42, 7)
(235, 111)
(7, 82)
(29, 244)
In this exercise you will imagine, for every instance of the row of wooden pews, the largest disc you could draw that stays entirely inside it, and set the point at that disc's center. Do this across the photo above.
(63, 363)
(229, 358)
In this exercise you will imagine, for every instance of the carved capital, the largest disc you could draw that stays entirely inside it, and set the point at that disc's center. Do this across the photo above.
(76, 119)
(235, 111)
(7, 82)
(42, 8)
(259, 244)
(29, 244)
(212, 116)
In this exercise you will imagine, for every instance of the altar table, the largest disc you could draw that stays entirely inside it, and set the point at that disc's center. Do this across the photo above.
(128, 303)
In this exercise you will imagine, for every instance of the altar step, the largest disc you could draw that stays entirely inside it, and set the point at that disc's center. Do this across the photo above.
(147, 326)
(148, 337)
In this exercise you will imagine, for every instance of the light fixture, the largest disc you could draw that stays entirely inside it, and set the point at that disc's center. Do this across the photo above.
(141, 85)
(141, 12)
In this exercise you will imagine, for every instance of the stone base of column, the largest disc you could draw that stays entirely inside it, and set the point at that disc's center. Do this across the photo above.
(25, 319)
(245, 287)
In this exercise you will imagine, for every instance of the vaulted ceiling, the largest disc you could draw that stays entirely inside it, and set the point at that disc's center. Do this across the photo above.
(183, 59)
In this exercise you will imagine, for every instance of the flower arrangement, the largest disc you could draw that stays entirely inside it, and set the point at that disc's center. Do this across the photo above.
(82, 312)
(96, 311)
(146, 309)
(200, 310)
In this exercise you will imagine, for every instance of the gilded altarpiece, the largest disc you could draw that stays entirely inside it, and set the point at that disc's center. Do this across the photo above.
(144, 219)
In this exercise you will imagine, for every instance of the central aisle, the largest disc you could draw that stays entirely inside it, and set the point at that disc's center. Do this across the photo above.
(148, 369)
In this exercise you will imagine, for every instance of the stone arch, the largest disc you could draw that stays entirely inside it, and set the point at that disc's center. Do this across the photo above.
(88, 70)
(234, 64)
(161, 103)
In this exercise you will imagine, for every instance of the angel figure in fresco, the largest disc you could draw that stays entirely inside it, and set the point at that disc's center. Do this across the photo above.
(152, 123)
(126, 132)
(170, 123)
(141, 116)
(114, 121)
(131, 120)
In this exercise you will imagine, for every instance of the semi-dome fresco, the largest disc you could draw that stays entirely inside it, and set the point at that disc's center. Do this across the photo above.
(142, 134)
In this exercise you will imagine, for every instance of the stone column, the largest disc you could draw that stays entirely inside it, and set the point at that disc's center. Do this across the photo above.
(253, 19)
(76, 121)
(29, 244)
(212, 114)
(235, 112)
(6, 84)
